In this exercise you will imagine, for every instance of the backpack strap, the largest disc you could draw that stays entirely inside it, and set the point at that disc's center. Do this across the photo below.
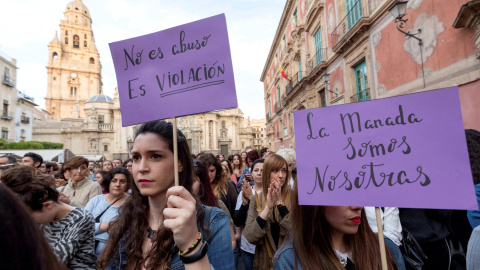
(207, 215)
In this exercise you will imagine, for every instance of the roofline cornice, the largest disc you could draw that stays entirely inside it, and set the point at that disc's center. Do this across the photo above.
(281, 27)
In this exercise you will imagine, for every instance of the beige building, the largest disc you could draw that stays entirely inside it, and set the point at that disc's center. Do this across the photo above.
(89, 123)
(74, 69)
(17, 110)
(260, 133)
(9, 96)
(345, 51)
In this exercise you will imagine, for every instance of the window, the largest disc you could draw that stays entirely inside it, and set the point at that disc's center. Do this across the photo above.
(361, 81)
(299, 69)
(285, 44)
(22, 139)
(269, 108)
(318, 47)
(66, 40)
(323, 100)
(84, 35)
(92, 61)
(6, 74)
(5, 134)
(73, 91)
(101, 119)
(223, 124)
(279, 100)
(66, 33)
(105, 148)
(76, 41)
(5, 108)
(354, 12)
(84, 43)
(54, 56)
(296, 17)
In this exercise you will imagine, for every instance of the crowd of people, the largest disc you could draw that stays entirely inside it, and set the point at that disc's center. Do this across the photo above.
(240, 209)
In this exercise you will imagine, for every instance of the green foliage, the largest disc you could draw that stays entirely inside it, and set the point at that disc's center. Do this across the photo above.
(29, 145)
(3, 143)
(52, 145)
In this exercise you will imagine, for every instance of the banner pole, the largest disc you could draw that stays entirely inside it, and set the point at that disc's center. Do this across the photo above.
(381, 241)
(175, 151)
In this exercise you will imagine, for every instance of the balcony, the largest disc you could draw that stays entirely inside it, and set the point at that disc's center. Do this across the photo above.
(25, 120)
(320, 57)
(350, 27)
(278, 108)
(7, 115)
(105, 127)
(8, 81)
(363, 95)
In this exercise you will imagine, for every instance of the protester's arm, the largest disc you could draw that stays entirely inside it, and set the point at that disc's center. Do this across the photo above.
(253, 232)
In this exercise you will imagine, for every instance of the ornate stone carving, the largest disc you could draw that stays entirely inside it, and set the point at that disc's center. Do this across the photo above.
(377, 66)
(381, 89)
(431, 28)
(331, 19)
(376, 38)
(414, 4)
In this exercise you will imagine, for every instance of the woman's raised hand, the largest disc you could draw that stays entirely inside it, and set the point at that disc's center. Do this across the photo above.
(247, 192)
(180, 217)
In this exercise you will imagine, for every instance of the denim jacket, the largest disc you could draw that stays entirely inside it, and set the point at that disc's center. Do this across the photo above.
(219, 252)
(284, 258)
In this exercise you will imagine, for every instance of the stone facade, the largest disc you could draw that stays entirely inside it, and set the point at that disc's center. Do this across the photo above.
(17, 108)
(365, 57)
(74, 69)
(260, 133)
(8, 93)
(90, 123)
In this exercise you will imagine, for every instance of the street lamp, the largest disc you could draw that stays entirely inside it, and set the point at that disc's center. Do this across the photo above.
(398, 11)
(326, 79)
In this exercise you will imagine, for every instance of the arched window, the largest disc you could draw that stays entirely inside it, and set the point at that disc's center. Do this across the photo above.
(105, 148)
(54, 56)
(66, 33)
(85, 35)
(92, 61)
(76, 41)
(84, 43)
(66, 40)
(73, 91)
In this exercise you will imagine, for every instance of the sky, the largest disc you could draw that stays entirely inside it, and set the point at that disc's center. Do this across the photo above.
(28, 26)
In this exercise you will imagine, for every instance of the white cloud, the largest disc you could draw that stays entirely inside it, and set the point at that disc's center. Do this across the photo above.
(30, 25)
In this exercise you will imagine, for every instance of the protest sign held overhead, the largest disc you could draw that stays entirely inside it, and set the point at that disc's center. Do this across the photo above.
(407, 151)
(180, 71)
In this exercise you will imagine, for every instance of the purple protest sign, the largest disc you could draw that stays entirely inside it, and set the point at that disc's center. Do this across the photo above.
(406, 151)
(183, 70)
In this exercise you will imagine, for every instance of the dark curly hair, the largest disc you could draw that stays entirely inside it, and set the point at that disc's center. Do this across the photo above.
(132, 222)
(473, 146)
(120, 170)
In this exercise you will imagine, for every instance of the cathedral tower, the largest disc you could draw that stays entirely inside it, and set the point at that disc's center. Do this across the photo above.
(74, 69)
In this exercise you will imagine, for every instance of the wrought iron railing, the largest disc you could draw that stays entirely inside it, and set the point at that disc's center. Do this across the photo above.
(8, 81)
(363, 95)
(7, 115)
(25, 120)
(320, 56)
(353, 16)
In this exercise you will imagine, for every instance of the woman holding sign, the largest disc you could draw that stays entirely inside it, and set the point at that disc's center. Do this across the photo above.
(268, 220)
(162, 226)
(330, 237)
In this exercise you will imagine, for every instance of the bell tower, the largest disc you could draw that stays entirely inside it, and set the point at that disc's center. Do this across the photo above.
(74, 68)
